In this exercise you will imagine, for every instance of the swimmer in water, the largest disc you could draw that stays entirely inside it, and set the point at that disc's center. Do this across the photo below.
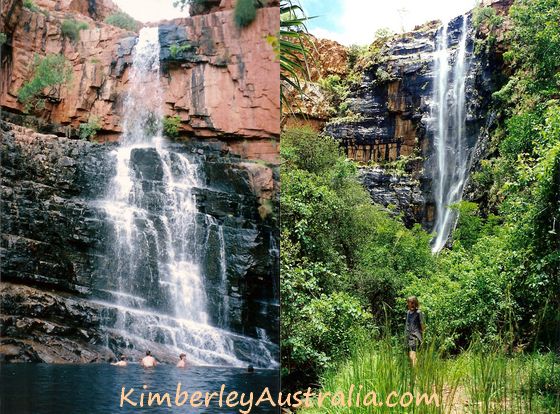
(182, 361)
(121, 363)
(148, 361)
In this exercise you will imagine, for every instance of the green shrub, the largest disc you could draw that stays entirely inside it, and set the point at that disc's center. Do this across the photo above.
(336, 247)
(49, 72)
(336, 91)
(30, 5)
(3, 38)
(177, 49)
(245, 12)
(337, 321)
(89, 129)
(171, 125)
(71, 29)
(488, 17)
(122, 20)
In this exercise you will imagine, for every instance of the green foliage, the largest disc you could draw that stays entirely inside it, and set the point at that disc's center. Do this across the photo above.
(488, 20)
(469, 225)
(3, 38)
(122, 20)
(336, 92)
(354, 53)
(176, 49)
(245, 12)
(335, 242)
(535, 49)
(89, 129)
(30, 5)
(71, 29)
(292, 48)
(383, 33)
(486, 16)
(382, 76)
(49, 73)
(171, 125)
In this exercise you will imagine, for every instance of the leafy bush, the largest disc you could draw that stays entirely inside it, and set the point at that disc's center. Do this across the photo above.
(245, 12)
(336, 91)
(177, 49)
(49, 72)
(122, 20)
(89, 129)
(3, 38)
(488, 17)
(336, 244)
(171, 125)
(71, 29)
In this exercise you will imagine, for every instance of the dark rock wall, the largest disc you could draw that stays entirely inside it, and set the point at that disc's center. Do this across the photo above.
(54, 243)
(391, 121)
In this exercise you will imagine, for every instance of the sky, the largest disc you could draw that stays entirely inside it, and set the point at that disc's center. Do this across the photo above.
(151, 10)
(356, 21)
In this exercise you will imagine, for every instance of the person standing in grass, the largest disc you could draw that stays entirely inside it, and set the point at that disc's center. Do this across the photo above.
(414, 328)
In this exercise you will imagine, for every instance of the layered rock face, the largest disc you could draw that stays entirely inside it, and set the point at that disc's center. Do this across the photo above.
(55, 250)
(391, 114)
(327, 58)
(213, 79)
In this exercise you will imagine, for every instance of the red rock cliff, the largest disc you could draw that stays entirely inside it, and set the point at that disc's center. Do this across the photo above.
(226, 86)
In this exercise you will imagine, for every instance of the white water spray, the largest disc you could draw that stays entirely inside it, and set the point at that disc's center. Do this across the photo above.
(160, 293)
(449, 122)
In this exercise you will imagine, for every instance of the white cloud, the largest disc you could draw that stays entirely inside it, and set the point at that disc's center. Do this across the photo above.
(360, 19)
(151, 10)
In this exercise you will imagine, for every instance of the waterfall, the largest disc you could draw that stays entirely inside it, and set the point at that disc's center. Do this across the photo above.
(449, 125)
(156, 282)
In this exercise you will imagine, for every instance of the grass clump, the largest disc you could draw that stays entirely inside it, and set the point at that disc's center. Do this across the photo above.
(479, 381)
(49, 73)
(171, 125)
(71, 29)
(245, 12)
(122, 20)
(88, 130)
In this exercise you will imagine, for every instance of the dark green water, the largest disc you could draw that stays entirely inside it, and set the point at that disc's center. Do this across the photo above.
(96, 388)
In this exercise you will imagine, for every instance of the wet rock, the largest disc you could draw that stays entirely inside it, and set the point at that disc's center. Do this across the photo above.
(400, 193)
(56, 237)
(392, 116)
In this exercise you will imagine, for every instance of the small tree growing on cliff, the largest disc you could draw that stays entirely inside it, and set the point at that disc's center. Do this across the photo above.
(171, 125)
(89, 129)
(70, 29)
(49, 74)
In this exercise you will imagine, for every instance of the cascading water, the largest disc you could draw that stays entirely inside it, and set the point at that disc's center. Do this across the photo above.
(449, 125)
(157, 284)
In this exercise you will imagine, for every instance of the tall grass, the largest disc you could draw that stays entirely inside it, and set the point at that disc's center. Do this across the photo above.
(480, 380)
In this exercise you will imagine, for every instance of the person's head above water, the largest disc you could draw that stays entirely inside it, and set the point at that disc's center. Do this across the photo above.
(250, 368)
(123, 357)
(182, 356)
(148, 353)
(412, 303)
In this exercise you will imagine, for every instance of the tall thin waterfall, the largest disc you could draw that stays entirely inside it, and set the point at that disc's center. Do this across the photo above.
(156, 278)
(449, 123)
